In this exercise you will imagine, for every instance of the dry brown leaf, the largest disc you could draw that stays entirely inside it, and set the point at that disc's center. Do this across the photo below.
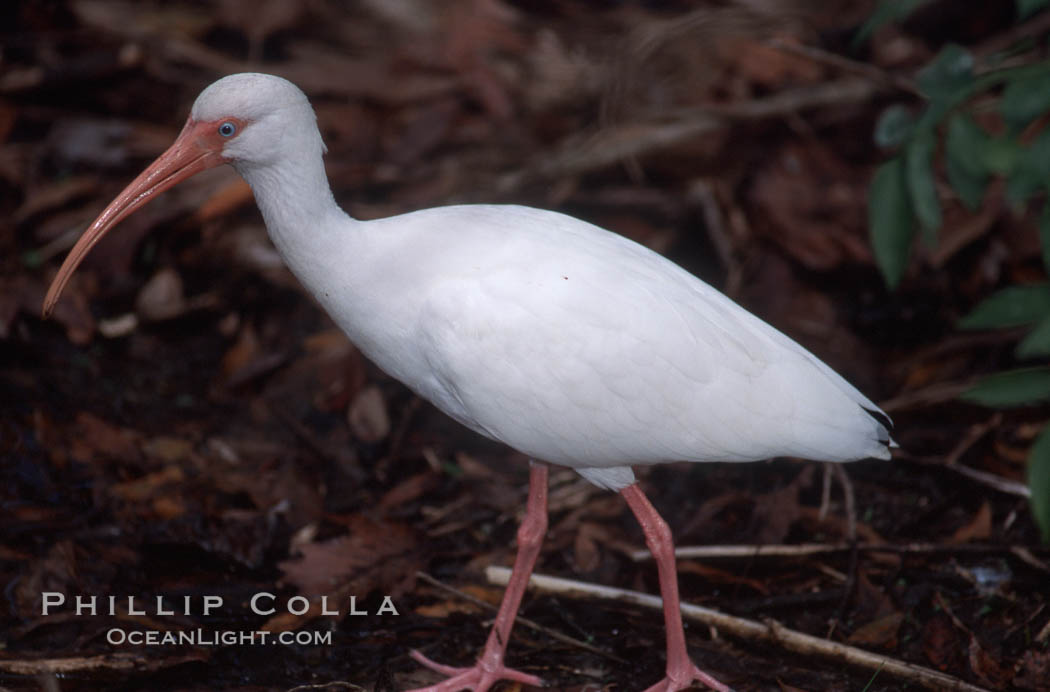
(765, 65)
(940, 642)
(720, 576)
(1033, 672)
(368, 417)
(228, 198)
(407, 490)
(161, 298)
(167, 507)
(57, 571)
(167, 449)
(586, 554)
(97, 438)
(242, 353)
(54, 196)
(812, 204)
(880, 633)
(979, 528)
(323, 567)
(987, 669)
(146, 487)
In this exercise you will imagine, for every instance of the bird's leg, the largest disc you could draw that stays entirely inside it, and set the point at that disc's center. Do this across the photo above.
(489, 669)
(681, 671)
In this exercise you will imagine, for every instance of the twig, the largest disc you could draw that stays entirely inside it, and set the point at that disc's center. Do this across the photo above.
(972, 436)
(1035, 26)
(927, 396)
(851, 534)
(1003, 485)
(769, 631)
(803, 549)
(1025, 555)
(1044, 634)
(531, 624)
(851, 501)
(841, 62)
(617, 143)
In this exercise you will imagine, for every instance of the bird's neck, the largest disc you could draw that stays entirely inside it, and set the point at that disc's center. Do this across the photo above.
(302, 218)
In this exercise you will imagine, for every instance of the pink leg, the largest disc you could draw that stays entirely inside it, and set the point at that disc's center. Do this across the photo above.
(681, 671)
(489, 669)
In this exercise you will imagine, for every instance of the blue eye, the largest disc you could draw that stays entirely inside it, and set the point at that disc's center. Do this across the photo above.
(227, 129)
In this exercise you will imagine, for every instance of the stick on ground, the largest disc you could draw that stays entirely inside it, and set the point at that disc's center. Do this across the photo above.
(752, 630)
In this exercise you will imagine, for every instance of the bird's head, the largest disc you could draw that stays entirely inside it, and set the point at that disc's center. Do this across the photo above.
(248, 120)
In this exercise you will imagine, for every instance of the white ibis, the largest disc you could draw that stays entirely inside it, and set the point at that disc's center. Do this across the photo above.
(567, 342)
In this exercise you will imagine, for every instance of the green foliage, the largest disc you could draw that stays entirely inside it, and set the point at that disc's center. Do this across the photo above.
(890, 219)
(1039, 481)
(894, 127)
(886, 12)
(968, 172)
(972, 156)
(1011, 388)
(948, 76)
(1026, 8)
(1013, 306)
(1044, 236)
(1025, 99)
(904, 191)
(922, 188)
(1037, 343)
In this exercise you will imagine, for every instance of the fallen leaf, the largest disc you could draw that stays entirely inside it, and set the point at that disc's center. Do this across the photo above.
(881, 633)
(146, 487)
(162, 297)
(368, 417)
(323, 567)
(1033, 671)
(940, 642)
(96, 438)
(987, 669)
(979, 528)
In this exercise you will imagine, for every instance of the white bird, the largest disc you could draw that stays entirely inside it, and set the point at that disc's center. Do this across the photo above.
(567, 342)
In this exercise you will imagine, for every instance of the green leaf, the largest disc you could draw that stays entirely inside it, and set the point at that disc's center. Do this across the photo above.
(886, 12)
(1012, 306)
(1026, 8)
(1025, 99)
(1044, 235)
(970, 188)
(922, 188)
(894, 127)
(1039, 481)
(1021, 184)
(1037, 343)
(890, 220)
(1011, 388)
(1031, 170)
(947, 74)
(32, 259)
(1000, 154)
(963, 146)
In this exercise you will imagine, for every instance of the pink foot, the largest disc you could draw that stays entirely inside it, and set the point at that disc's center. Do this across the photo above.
(685, 681)
(479, 678)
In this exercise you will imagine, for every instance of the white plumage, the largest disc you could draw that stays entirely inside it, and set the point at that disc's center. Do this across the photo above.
(579, 347)
(567, 342)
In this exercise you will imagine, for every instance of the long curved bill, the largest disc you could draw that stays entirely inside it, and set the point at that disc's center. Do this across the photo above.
(192, 152)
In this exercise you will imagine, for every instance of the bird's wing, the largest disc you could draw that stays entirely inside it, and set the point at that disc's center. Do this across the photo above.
(586, 349)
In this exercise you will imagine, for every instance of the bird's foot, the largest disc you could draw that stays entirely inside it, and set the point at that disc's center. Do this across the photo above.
(685, 679)
(479, 677)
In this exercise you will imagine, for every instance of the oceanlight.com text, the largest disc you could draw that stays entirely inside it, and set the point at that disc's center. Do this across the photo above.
(118, 636)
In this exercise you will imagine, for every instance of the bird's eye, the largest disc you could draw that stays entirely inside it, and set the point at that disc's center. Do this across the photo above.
(227, 129)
